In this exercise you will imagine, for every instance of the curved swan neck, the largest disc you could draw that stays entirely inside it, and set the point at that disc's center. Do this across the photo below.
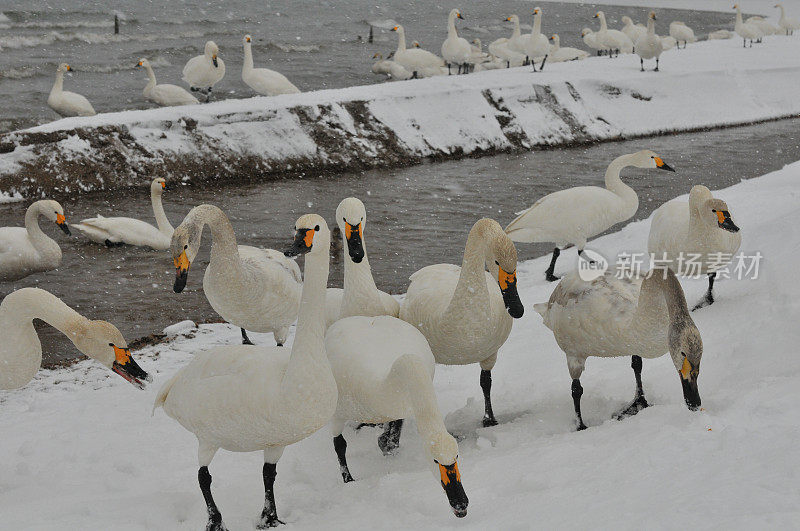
(248, 57)
(151, 75)
(410, 376)
(471, 290)
(615, 184)
(662, 289)
(223, 239)
(28, 304)
(517, 33)
(37, 237)
(162, 221)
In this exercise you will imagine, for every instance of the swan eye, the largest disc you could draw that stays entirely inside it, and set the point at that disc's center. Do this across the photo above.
(185, 247)
(111, 344)
(316, 229)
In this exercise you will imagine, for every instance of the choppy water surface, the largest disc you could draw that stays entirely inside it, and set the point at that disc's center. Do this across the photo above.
(416, 216)
(316, 44)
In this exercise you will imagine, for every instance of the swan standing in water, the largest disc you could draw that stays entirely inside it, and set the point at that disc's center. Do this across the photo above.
(254, 289)
(263, 80)
(247, 398)
(165, 95)
(202, 72)
(21, 351)
(649, 46)
(611, 317)
(694, 238)
(131, 231)
(785, 23)
(559, 54)
(455, 49)
(421, 63)
(27, 250)
(464, 312)
(574, 215)
(67, 103)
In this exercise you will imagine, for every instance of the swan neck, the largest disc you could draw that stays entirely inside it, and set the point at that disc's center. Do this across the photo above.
(451, 26)
(516, 33)
(401, 40)
(410, 376)
(248, 57)
(651, 26)
(151, 75)
(28, 304)
(224, 251)
(361, 295)
(660, 290)
(58, 86)
(738, 16)
(37, 237)
(603, 26)
(164, 226)
(537, 25)
(471, 290)
(615, 184)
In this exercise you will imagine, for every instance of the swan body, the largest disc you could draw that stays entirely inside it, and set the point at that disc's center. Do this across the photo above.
(612, 40)
(633, 31)
(202, 72)
(464, 312)
(509, 50)
(720, 35)
(132, 231)
(785, 23)
(765, 27)
(254, 289)
(559, 54)
(516, 42)
(629, 316)
(28, 250)
(590, 39)
(67, 103)
(165, 95)
(536, 44)
(681, 33)
(21, 351)
(745, 30)
(245, 398)
(667, 43)
(421, 63)
(360, 296)
(649, 46)
(456, 50)
(263, 80)
(389, 68)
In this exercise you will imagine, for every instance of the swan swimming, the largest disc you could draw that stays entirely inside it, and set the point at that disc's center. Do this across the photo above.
(202, 72)
(27, 250)
(67, 103)
(165, 95)
(263, 80)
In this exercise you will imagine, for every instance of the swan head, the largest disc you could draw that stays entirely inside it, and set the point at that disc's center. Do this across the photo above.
(158, 185)
(211, 51)
(184, 246)
(648, 159)
(500, 257)
(247, 39)
(512, 18)
(351, 217)
(53, 211)
(398, 29)
(64, 67)
(652, 15)
(554, 37)
(311, 236)
(537, 11)
(455, 13)
(586, 31)
(103, 342)
(444, 451)
(714, 212)
(144, 63)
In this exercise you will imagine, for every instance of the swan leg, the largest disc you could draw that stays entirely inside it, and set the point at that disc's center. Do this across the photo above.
(577, 392)
(549, 275)
(641, 62)
(245, 339)
(639, 403)
(389, 440)
(541, 66)
(708, 298)
(486, 386)
(340, 446)
(214, 516)
(269, 515)
(280, 336)
(656, 68)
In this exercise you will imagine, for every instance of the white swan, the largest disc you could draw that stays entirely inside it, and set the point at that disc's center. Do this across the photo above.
(21, 351)
(389, 68)
(787, 24)
(248, 399)
(590, 39)
(765, 27)
(681, 33)
(202, 72)
(720, 35)
(456, 50)
(668, 42)
(384, 369)
(633, 31)
(649, 46)
(28, 250)
(509, 50)
(254, 289)
(263, 80)
(697, 237)
(574, 215)
(464, 312)
(132, 231)
(744, 30)
(612, 40)
(611, 317)
(165, 95)
(421, 63)
(67, 103)
(537, 45)
(559, 54)
(360, 296)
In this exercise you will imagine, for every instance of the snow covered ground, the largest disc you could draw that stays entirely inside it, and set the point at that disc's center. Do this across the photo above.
(81, 451)
(709, 84)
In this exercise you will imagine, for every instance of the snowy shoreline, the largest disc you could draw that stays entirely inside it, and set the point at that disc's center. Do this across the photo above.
(711, 84)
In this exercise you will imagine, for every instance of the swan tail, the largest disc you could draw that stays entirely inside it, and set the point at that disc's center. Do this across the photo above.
(161, 398)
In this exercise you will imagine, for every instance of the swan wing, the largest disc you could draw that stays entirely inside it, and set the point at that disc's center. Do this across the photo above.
(168, 95)
(269, 82)
(123, 230)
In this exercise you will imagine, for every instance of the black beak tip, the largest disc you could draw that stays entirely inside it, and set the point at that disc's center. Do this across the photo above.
(180, 282)
(516, 311)
(65, 228)
(357, 258)
(666, 167)
(460, 510)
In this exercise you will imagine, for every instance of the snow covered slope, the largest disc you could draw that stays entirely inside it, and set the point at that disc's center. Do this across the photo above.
(81, 451)
(709, 84)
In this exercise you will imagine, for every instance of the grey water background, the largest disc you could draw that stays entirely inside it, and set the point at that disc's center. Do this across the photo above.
(416, 216)
(317, 45)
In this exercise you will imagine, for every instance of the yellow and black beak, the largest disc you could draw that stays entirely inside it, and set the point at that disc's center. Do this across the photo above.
(688, 375)
(126, 366)
(459, 16)
(395, 28)
(164, 185)
(355, 241)
(508, 287)
(725, 222)
(661, 165)
(61, 221)
(451, 483)
(303, 241)
(214, 60)
(181, 272)
(69, 68)
(248, 39)
(139, 64)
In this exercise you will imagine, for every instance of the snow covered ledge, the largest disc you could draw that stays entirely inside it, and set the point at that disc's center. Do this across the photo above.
(710, 84)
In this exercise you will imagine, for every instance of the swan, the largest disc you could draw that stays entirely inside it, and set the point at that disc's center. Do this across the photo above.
(263, 80)
(681, 32)
(389, 68)
(517, 40)
(384, 370)
(419, 62)
(360, 296)
(537, 45)
(164, 95)
(744, 30)
(28, 250)
(590, 39)
(785, 23)
(202, 72)
(253, 398)
(254, 289)
(697, 237)
(574, 215)
(132, 231)
(455, 49)
(67, 103)
(649, 46)
(611, 317)
(559, 54)
(21, 351)
(633, 31)
(464, 312)
(765, 27)
(509, 50)
(612, 40)
(720, 35)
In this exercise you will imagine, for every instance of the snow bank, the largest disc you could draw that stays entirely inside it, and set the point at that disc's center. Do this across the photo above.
(88, 438)
(710, 84)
